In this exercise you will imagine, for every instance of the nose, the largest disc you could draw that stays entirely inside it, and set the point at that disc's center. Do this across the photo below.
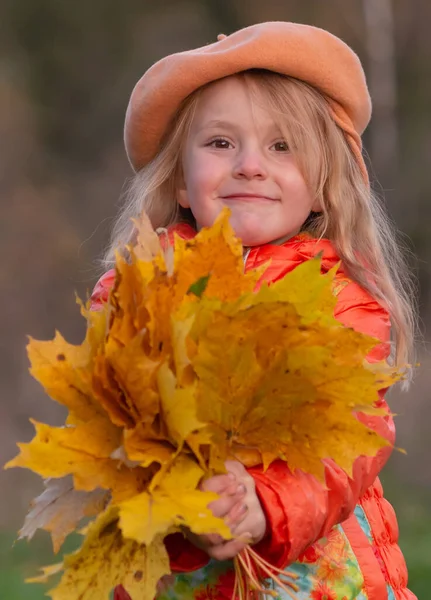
(250, 164)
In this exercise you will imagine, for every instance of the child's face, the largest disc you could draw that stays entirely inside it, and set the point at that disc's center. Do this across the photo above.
(235, 156)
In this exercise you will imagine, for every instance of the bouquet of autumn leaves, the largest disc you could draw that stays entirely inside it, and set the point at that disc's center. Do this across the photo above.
(186, 366)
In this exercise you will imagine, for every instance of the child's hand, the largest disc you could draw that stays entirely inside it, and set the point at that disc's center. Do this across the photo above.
(252, 522)
(239, 506)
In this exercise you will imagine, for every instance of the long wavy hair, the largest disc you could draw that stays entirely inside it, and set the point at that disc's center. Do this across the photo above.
(352, 216)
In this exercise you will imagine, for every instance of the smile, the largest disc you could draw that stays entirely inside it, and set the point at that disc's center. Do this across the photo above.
(249, 197)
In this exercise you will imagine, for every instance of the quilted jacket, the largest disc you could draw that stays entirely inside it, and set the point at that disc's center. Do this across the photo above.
(340, 539)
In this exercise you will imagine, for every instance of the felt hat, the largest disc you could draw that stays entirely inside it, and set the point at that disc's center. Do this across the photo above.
(307, 53)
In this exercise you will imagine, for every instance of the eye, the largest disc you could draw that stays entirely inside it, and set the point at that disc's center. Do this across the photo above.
(280, 146)
(220, 143)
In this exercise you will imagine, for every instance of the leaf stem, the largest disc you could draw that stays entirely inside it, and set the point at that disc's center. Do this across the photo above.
(250, 572)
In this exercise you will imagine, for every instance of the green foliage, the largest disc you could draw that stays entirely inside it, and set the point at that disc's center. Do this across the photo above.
(198, 287)
(411, 505)
(22, 559)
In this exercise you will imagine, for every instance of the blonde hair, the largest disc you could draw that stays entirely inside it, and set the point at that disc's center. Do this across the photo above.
(352, 216)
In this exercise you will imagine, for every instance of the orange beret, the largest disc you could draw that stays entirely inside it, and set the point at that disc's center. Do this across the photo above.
(307, 53)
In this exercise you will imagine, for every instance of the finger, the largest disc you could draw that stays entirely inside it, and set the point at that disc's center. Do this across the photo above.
(236, 468)
(205, 540)
(253, 521)
(236, 515)
(220, 484)
(227, 550)
(223, 505)
(211, 539)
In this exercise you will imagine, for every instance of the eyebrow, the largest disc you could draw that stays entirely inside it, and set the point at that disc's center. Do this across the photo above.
(217, 123)
(220, 124)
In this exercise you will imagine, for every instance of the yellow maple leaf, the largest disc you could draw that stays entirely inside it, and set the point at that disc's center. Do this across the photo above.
(105, 560)
(145, 447)
(65, 372)
(264, 366)
(60, 451)
(185, 366)
(178, 405)
(136, 375)
(175, 502)
(182, 350)
(215, 252)
(305, 288)
(85, 452)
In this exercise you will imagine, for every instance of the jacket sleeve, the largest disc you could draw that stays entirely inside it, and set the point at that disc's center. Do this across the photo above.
(299, 508)
(101, 290)
(183, 555)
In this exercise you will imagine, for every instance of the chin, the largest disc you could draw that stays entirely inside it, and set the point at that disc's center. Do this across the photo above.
(251, 238)
(250, 231)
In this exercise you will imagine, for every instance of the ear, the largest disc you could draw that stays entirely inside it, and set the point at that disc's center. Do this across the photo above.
(181, 194)
(183, 198)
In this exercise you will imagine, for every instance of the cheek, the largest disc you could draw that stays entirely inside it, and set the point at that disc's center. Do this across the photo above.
(297, 193)
(205, 177)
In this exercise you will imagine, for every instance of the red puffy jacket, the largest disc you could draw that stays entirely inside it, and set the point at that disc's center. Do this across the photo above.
(300, 510)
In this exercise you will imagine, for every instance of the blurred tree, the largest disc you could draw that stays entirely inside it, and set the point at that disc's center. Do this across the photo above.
(382, 78)
(71, 54)
(226, 14)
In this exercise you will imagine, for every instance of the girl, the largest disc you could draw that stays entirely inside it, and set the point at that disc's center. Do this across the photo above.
(268, 122)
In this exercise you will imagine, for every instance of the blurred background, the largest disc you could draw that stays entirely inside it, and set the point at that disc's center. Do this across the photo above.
(66, 73)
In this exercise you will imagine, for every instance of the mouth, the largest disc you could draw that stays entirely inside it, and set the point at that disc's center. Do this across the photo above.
(249, 197)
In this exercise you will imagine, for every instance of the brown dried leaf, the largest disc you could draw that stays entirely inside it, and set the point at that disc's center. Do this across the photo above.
(60, 508)
(147, 241)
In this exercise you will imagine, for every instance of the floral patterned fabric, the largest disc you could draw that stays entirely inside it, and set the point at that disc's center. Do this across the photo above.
(328, 570)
